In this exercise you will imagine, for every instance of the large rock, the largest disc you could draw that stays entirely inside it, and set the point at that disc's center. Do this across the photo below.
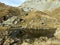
(10, 21)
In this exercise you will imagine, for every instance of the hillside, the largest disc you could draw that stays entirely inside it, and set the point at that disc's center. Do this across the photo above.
(35, 22)
(8, 10)
(40, 5)
(34, 19)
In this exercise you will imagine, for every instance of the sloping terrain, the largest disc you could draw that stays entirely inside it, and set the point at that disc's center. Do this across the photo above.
(56, 13)
(38, 19)
(23, 26)
(8, 10)
(40, 5)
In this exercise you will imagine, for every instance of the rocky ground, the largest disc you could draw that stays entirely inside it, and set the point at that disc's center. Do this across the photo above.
(14, 39)
(36, 28)
(30, 25)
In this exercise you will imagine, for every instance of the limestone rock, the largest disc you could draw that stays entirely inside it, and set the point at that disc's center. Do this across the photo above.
(10, 21)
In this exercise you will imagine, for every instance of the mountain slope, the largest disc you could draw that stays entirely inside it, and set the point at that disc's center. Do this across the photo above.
(40, 5)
